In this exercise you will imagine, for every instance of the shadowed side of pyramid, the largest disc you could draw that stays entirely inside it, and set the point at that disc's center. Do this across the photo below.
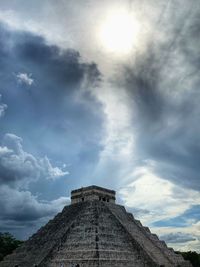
(97, 238)
(94, 231)
(34, 250)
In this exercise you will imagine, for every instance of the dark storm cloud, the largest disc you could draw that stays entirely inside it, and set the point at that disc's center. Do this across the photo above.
(21, 51)
(22, 213)
(12, 208)
(54, 99)
(178, 238)
(142, 83)
(49, 110)
(64, 67)
(163, 85)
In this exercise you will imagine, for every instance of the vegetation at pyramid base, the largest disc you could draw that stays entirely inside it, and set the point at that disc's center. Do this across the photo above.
(191, 256)
(7, 244)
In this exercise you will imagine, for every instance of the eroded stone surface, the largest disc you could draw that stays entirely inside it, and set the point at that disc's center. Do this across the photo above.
(92, 233)
(91, 193)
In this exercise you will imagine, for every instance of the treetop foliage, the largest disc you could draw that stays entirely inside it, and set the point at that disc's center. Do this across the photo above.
(7, 244)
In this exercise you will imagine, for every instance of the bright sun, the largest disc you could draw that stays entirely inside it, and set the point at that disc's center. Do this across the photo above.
(118, 33)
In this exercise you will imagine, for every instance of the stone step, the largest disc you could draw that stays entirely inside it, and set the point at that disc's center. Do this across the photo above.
(85, 254)
(134, 229)
(98, 262)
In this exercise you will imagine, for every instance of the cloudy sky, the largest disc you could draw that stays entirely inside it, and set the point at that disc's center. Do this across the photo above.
(105, 93)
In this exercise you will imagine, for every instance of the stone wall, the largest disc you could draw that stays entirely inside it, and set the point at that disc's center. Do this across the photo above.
(92, 193)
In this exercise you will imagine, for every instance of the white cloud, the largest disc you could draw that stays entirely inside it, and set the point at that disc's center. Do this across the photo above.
(54, 172)
(160, 197)
(25, 78)
(118, 142)
(3, 107)
(152, 199)
(4, 150)
(19, 167)
(21, 211)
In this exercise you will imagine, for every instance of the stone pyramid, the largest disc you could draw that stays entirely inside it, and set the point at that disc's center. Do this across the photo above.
(94, 231)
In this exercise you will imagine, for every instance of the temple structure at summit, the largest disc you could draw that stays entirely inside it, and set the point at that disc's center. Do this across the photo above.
(94, 231)
(91, 193)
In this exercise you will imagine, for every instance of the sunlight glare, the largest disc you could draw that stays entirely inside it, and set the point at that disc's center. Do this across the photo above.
(119, 32)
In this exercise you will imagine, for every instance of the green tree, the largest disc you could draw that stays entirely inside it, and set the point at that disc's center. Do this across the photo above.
(191, 256)
(7, 244)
